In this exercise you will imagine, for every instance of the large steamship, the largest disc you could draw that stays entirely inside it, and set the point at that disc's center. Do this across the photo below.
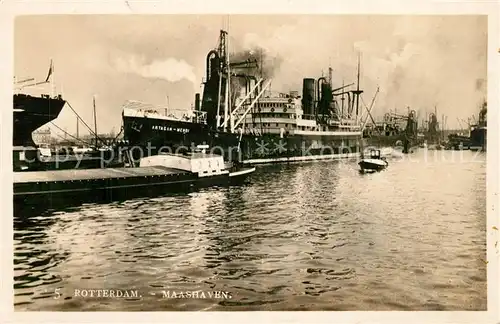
(238, 116)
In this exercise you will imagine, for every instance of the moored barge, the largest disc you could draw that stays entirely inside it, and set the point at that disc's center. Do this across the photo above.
(156, 174)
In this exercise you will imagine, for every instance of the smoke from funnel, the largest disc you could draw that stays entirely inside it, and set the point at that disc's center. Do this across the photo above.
(170, 69)
(267, 64)
(260, 63)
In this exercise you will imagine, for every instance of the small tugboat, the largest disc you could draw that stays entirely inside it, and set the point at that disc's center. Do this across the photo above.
(374, 162)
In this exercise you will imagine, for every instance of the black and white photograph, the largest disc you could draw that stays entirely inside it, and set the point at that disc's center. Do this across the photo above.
(252, 162)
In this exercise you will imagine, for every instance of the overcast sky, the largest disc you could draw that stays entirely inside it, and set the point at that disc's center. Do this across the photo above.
(417, 61)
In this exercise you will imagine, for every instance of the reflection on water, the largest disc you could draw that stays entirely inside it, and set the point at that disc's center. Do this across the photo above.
(316, 236)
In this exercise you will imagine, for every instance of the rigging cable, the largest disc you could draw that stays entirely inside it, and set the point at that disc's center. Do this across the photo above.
(116, 137)
(62, 130)
(90, 129)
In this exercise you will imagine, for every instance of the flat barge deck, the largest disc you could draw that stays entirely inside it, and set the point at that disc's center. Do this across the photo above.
(156, 174)
(53, 182)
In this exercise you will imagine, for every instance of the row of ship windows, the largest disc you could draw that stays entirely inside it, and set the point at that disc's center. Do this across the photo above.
(269, 125)
(271, 115)
(286, 126)
(334, 143)
(272, 105)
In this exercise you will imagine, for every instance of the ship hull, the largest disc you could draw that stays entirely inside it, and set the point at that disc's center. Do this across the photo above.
(382, 140)
(390, 140)
(372, 164)
(48, 188)
(475, 142)
(457, 142)
(150, 136)
(30, 113)
(478, 139)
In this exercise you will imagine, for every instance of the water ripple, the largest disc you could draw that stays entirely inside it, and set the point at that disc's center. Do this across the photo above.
(315, 236)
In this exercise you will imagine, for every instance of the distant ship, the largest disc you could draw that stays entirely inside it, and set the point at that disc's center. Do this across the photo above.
(394, 129)
(240, 118)
(478, 131)
(476, 140)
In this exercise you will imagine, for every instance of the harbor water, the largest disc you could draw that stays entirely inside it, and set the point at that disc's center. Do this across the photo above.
(311, 236)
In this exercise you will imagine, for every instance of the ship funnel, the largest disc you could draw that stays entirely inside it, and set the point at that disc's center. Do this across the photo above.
(308, 86)
(320, 88)
(213, 62)
(197, 101)
(325, 98)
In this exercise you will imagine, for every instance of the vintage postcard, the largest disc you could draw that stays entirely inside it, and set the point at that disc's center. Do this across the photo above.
(279, 161)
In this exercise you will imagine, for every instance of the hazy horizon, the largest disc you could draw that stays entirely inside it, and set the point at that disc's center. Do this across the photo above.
(417, 61)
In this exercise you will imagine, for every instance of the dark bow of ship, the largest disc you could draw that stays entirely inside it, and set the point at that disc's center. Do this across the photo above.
(32, 112)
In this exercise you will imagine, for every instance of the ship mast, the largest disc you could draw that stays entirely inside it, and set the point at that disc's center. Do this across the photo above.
(357, 91)
(436, 114)
(227, 104)
(52, 81)
(220, 75)
(330, 76)
(218, 97)
(95, 123)
(342, 99)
